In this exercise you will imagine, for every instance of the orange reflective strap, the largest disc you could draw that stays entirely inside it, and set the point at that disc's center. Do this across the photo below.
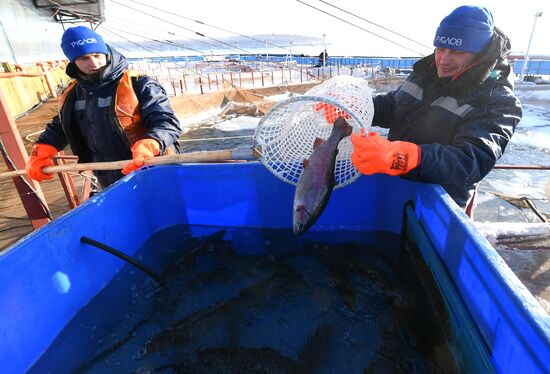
(127, 108)
(64, 95)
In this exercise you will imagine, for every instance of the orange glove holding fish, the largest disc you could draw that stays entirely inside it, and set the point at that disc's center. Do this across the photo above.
(142, 150)
(41, 157)
(376, 155)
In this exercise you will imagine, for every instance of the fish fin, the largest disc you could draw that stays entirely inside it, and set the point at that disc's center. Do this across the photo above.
(305, 163)
(317, 142)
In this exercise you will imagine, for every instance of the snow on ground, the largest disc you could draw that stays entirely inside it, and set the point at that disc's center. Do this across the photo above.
(536, 139)
(518, 182)
(533, 94)
(189, 122)
(238, 123)
(534, 128)
(492, 232)
(277, 98)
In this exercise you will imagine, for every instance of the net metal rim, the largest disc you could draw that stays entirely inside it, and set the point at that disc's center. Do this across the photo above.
(311, 99)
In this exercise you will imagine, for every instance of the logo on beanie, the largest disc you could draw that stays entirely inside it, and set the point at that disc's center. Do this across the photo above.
(445, 40)
(468, 28)
(81, 42)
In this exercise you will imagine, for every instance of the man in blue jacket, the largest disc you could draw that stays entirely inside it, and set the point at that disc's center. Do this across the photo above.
(107, 114)
(453, 117)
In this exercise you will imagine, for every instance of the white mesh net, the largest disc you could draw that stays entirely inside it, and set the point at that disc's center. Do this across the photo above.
(286, 133)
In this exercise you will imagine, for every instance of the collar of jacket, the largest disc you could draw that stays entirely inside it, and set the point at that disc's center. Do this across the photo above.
(494, 56)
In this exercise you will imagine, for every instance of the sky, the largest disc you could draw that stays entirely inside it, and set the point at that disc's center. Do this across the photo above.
(416, 20)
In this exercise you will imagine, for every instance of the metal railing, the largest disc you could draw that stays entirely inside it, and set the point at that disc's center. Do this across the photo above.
(26, 86)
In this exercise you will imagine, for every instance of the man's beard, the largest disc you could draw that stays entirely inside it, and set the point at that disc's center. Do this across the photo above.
(93, 78)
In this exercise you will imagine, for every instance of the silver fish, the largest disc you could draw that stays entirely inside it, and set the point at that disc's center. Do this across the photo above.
(316, 181)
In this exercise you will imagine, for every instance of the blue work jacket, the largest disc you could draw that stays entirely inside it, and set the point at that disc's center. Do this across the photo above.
(88, 122)
(462, 125)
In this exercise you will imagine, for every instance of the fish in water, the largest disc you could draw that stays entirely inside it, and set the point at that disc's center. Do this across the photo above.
(316, 181)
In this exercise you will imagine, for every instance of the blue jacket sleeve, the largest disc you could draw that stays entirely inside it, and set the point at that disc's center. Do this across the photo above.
(478, 143)
(383, 109)
(156, 113)
(54, 135)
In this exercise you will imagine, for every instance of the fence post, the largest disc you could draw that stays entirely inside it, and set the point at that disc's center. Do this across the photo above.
(48, 80)
(200, 85)
(217, 83)
(209, 86)
(252, 73)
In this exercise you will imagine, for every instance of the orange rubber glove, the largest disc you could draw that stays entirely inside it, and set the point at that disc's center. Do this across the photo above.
(373, 155)
(41, 156)
(142, 150)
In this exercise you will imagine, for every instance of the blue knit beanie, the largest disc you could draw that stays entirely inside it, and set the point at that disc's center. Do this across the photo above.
(79, 41)
(467, 28)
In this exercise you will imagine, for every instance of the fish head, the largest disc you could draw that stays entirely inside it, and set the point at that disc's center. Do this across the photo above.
(301, 219)
(342, 127)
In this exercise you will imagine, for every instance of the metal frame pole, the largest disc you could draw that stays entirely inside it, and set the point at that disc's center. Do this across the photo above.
(33, 200)
(526, 59)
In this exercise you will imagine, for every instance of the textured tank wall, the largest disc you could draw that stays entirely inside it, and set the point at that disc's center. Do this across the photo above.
(28, 34)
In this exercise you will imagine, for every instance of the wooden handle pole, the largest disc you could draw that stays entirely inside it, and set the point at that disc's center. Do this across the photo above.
(523, 167)
(237, 154)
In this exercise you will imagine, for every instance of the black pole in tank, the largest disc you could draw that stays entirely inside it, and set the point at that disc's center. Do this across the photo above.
(122, 256)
